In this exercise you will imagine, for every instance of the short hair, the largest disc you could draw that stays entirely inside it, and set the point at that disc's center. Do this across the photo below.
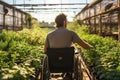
(59, 20)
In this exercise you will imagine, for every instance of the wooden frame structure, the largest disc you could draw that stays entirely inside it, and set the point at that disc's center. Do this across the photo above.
(102, 16)
(11, 18)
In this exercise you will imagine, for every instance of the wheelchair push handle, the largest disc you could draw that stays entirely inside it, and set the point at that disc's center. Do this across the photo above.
(77, 51)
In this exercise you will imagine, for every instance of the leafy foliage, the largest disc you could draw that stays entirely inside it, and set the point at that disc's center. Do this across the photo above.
(104, 59)
(20, 53)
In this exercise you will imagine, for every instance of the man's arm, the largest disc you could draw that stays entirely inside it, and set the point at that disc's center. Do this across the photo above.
(46, 45)
(45, 48)
(84, 44)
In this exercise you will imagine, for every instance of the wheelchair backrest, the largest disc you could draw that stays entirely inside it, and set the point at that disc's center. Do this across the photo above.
(60, 59)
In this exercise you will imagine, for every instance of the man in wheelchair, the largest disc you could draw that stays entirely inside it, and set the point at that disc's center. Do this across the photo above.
(58, 48)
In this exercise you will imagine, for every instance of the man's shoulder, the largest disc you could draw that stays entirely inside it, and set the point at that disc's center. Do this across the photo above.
(71, 31)
(51, 32)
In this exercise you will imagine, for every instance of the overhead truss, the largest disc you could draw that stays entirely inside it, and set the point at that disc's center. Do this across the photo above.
(49, 4)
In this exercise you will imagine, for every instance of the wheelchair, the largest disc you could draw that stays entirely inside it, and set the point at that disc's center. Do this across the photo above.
(61, 60)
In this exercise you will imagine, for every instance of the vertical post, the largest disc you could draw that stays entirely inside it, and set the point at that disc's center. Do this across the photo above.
(89, 21)
(22, 20)
(118, 2)
(119, 22)
(24, 5)
(100, 23)
(13, 19)
(4, 17)
(94, 20)
(90, 29)
(119, 26)
(110, 22)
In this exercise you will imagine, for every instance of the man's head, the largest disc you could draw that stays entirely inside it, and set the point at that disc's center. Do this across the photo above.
(61, 20)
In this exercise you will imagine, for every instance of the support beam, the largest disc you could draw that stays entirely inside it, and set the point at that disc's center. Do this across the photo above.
(118, 2)
(100, 25)
(94, 20)
(111, 25)
(49, 4)
(34, 8)
(119, 22)
(119, 26)
(4, 18)
(47, 11)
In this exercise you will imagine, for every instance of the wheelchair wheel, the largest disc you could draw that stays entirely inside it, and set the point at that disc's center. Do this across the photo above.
(38, 74)
(45, 69)
(78, 71)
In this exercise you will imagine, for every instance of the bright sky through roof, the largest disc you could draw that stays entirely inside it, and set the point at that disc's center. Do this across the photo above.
(50, 14)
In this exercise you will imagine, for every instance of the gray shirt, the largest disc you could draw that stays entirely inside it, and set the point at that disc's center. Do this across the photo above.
(61, 38)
